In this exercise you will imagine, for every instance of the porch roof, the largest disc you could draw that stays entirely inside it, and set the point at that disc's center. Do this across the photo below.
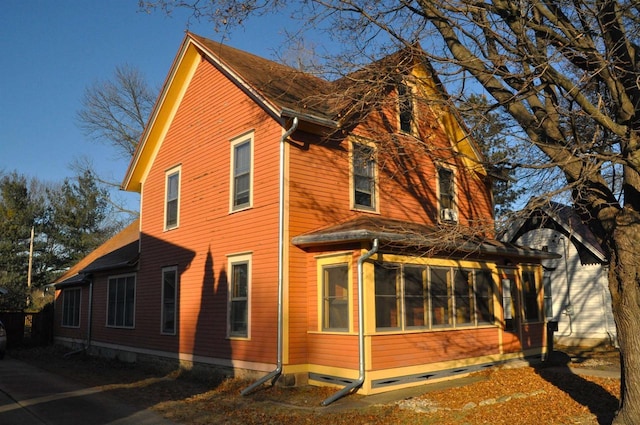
(401, 234)
(119, 251)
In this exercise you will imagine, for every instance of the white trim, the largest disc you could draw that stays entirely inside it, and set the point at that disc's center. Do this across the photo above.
(231, 261)
(375, 208)
(135, 295)
(236, 364)
(411, 91)
(175, 298)
(64, 292)
(167, 174)
(454, 195)
(247, 137)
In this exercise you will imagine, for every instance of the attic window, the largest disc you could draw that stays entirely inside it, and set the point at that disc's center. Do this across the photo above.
(406, 109)
(446, 193)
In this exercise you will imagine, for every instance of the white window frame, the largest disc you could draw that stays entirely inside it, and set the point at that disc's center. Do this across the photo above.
(163, 305)
(77, 309)
(374, 207)
(411, 93)
(133, 312)
(447, 214)
(245, 138)
(168, 174)
(232, 261)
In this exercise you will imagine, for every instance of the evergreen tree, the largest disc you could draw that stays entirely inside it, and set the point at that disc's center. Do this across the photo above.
(69, 221)
(79, 213)
(20, 210)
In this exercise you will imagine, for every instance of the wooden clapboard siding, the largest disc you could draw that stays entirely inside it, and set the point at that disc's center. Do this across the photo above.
(213, 112)
(393, 351)
(196, 136)
(511, 342)
(334, 350)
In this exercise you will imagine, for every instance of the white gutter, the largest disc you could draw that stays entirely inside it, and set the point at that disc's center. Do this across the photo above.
(358, 382)
(275, 374)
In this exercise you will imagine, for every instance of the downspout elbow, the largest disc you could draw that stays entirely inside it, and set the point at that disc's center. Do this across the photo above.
(361, 355)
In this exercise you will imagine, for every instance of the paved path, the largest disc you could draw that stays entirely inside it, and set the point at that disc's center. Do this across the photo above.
(31, 396)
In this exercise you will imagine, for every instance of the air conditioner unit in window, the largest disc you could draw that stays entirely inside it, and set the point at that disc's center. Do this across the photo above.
(447, 214)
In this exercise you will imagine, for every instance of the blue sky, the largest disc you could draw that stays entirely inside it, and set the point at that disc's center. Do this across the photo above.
(50, 51)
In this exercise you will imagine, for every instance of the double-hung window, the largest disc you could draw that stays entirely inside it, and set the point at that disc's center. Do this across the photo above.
(446, 195)
(169, 300)
(420, 297)
(405, 108)
(121, 294)
(335, 297)
(172, 198)
(71, 307)
(363, 166)
(242, 172)
(239, 292)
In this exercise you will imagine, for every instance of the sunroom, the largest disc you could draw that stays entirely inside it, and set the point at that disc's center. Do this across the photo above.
(429, 311)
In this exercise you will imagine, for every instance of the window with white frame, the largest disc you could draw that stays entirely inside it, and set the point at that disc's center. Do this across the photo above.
(172, 198)
(239, 291)
(508, 306)
(363, 165)
(121, 301)
(413, 297)
(406, 109)
(71, 307)
(446, 195)
(335, 297)
(169, 300)
(242, 172)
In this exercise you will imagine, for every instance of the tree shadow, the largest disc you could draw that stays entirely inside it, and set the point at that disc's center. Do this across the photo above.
(557, 372)
(210, 327)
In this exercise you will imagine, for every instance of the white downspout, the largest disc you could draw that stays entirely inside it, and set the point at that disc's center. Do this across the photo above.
(358, 382)
(89, 314)
(275, 374)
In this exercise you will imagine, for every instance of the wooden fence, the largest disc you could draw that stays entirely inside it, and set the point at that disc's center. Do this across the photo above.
(28, 328)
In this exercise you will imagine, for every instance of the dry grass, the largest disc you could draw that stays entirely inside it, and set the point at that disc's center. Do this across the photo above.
(514, 396)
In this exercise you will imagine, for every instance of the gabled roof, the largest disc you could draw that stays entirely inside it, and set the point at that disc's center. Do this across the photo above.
(398, 233)
(286, 89)
(119, 251)
(563, 218)
(284, 92)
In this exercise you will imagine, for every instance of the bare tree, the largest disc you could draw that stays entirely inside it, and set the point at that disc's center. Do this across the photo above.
(567, 73)
(115, 112)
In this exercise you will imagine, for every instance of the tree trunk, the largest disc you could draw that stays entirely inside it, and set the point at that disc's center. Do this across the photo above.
(624, 283)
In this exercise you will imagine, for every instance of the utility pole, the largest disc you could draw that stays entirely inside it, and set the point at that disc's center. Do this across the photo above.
(30, 265)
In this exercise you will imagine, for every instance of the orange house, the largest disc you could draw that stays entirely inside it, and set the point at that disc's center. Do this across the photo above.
(313, 231)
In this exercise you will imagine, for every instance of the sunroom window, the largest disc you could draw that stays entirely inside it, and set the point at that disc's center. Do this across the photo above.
(414, 297)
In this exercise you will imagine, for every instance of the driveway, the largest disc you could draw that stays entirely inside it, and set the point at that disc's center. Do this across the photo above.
(31, 396)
